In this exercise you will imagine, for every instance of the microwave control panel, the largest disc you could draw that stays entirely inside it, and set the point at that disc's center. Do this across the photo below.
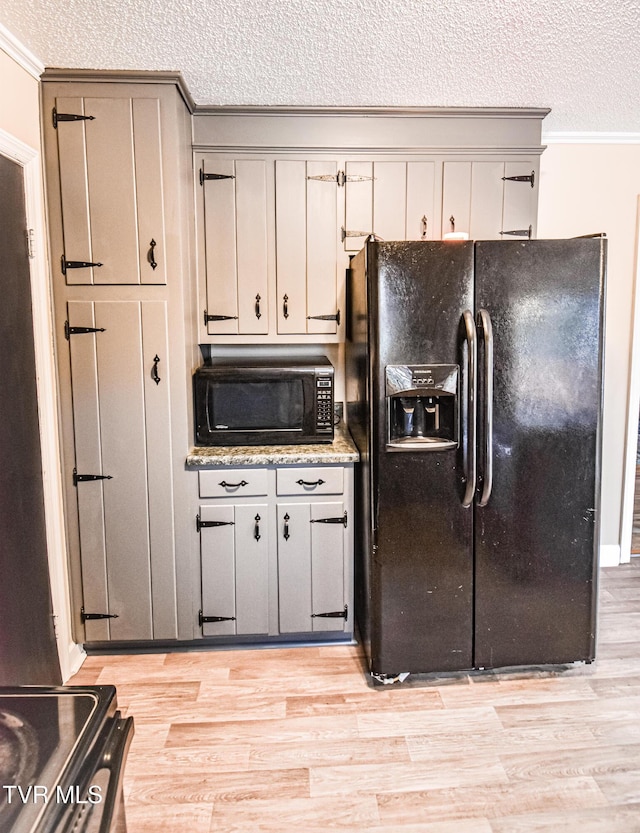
(324, 403)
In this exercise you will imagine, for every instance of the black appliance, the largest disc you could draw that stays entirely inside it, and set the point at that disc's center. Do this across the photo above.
(264, 401)
(474, 386)
(62, 758)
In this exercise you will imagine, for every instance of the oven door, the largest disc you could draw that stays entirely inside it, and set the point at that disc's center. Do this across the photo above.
(103, 775)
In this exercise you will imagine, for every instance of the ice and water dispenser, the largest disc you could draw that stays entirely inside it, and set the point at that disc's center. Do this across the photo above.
(422, 407)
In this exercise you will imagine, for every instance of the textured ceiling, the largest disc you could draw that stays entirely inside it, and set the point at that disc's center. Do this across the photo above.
(579, 57)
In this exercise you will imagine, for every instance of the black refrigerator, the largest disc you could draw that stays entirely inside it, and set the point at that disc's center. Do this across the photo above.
(474, 395)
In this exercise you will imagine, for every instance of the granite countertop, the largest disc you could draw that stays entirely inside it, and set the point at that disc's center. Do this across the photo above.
(341, 450)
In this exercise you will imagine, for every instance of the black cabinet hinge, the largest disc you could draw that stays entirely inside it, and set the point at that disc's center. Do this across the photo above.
(341, 520)
(335, 317)
(208, 318)
(519, 232)
(75, 264)
(74, 331)
(527, 178)
(204, 524)
(57, 117)
(204, 177)
(87, 616)
(82, 478)
(334, 614)
(203, 620)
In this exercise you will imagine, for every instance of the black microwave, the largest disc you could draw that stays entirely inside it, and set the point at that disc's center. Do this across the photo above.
(264, 401)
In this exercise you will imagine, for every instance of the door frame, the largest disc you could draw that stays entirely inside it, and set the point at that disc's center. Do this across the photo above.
(633, 413)
(70, 653)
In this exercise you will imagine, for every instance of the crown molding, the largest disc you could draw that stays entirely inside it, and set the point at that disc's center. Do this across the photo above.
(568, 137)
(20, 54)
(408, 112)
(124, 77)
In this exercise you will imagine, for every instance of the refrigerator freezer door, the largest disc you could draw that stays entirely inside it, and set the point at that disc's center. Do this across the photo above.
(421, 560)
(536, 538)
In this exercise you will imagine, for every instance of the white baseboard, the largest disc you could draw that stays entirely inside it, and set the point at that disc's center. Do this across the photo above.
(609, 555)
(71, 662)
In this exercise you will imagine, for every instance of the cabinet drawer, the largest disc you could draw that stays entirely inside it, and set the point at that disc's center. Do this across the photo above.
(233, 482)
(310, 481)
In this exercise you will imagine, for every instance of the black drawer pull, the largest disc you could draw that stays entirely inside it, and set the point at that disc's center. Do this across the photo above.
(256, 529)
(226, 485)
(286, 527)
(308, 483)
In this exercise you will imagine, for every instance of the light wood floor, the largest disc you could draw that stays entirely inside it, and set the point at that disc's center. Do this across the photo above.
(635, 535)
(287, 740)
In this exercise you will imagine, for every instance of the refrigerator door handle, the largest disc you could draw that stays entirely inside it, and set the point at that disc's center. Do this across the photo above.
(470, 451)
(484, 324)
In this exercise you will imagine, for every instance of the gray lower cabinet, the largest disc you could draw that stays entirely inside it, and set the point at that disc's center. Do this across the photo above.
(276, 549)
(122, 477)
(234, 548)
(311, 586)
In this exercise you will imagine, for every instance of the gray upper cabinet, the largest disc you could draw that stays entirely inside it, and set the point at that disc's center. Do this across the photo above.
(490, 200)
(236, 253)
(306, 247)
(111, 190)
(393, 200)
(286, 195)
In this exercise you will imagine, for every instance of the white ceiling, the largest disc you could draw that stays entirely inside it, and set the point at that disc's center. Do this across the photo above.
(579, 57)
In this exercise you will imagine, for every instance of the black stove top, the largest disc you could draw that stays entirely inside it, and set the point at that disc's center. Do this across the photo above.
(45, 734)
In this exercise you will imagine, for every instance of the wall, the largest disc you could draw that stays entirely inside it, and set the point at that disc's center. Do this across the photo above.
(20, 141)
(19, 111)
(587, 188)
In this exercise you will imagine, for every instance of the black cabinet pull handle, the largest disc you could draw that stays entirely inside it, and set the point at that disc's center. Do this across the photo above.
(256, 530)
(310, 483)
(226, 485)
(154, 369)
(151, 257)
(285, 306)
(257, 307)
(423, 236)
(286, 527)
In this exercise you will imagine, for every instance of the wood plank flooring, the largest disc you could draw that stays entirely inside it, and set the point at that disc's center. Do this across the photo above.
(635, 534)
(285, 740)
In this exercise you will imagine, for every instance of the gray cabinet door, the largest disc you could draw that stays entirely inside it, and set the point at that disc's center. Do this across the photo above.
(310, 567)
(306, 246)
(491, 200)
(236, 247)
(234, 559)
(394, 200)
(111, 190)
(122, 433)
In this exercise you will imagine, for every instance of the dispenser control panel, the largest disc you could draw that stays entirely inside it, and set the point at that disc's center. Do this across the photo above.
(422, 407)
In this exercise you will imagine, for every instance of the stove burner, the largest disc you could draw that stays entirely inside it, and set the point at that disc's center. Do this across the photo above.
(18, 749)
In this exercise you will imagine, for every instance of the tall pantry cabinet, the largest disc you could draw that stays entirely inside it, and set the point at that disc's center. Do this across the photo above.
(119, 184)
